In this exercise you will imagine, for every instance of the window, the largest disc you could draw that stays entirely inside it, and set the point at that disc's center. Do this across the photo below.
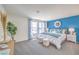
(37, 27)
(41, 27)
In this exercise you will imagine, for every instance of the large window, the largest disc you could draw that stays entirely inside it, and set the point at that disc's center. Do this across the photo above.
(41, 27)
(36, 28)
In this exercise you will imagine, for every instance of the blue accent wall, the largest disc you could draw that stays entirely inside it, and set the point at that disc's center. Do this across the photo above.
(72, 21)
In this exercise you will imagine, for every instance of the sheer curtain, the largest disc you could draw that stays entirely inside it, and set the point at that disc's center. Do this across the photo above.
(41, 27)
(36, 28)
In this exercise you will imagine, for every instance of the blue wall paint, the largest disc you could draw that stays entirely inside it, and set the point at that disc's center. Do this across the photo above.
(72, 21)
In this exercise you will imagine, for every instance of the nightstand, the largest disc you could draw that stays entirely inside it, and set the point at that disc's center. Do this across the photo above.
(71, 38)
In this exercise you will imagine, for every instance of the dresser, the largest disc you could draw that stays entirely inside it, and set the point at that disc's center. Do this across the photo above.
(71, 38)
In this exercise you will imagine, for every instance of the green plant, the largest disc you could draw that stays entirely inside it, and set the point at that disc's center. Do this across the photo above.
(11, 29)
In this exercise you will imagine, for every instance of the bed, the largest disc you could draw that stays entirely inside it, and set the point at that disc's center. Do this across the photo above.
(54, 38)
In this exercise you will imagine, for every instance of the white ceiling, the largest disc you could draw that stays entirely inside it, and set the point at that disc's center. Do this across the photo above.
(42, 11)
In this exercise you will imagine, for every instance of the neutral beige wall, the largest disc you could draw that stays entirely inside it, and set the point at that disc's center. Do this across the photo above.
(22, 25)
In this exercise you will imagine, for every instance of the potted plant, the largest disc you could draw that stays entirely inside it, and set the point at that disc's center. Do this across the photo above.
(11, 29)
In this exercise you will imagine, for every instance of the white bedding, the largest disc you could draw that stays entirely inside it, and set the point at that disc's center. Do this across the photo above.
(57, 41)
(53, 40)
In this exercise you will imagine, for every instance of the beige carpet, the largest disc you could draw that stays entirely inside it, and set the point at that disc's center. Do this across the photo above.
(33, 47)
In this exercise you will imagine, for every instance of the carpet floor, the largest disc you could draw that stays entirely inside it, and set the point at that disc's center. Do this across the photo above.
(33, 47)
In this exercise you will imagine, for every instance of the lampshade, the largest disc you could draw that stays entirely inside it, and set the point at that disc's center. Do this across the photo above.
(71, 29)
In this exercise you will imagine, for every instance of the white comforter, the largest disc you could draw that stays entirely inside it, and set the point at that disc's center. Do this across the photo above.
(53, 40)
